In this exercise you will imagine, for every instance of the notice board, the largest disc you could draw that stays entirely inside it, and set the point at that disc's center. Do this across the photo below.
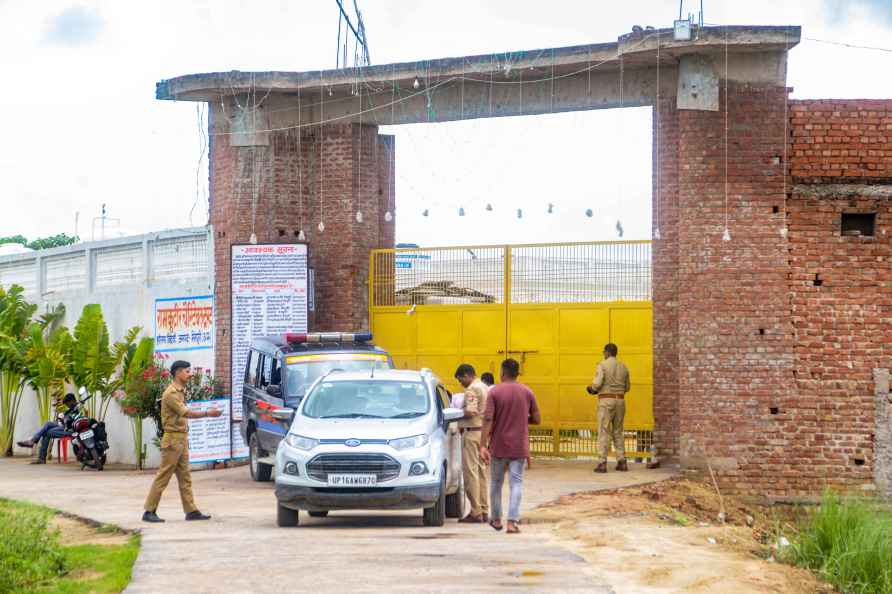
(209, 437)
(269, 297)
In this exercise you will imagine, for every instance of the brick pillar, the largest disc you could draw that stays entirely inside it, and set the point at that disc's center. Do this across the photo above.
(734, 321)
(291, 184)
(665, 277)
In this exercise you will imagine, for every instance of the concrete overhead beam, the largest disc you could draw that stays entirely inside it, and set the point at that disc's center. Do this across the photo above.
(528, 82)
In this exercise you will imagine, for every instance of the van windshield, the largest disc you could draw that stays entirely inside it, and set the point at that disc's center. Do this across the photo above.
(367, 400)
(303, 370)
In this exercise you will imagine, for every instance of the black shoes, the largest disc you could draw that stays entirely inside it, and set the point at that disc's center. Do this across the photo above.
(151, 517)
(196, 515)
(191, 517)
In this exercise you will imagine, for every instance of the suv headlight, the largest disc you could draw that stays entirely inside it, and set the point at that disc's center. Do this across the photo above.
(301, 443)
(409, 443)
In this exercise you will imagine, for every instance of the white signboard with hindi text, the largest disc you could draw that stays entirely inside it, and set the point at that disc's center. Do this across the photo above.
(184, 323)
(209, 437)
(269, 297)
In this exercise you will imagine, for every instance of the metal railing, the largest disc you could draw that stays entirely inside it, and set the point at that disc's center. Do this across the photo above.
(543, 273)
(169, 256)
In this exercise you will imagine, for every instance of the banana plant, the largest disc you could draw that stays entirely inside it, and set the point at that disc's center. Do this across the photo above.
(94, 360)
(15, 317)
(137, 358)
(47, 359)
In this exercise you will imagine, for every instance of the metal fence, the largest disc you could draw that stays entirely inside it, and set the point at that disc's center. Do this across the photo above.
(553, 273)
(169, 256)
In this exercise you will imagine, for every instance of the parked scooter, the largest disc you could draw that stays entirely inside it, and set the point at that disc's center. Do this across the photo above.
(89, 439)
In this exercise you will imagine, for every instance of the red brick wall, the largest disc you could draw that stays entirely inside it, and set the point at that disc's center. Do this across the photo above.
(665, 277)
(841, 140)
(300, 180)
(843, 332)
(722, 325)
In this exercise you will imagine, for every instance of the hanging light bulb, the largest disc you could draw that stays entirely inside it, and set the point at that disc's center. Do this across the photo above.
(388, 217)
(489, 207)
(589, 213)
(253, 239)
(619, 228)
(726, 236)
(519, 213)
(657, 233)
(461, 211)
(550, 208)
(321, 227)
(416, 84)
(425, 212)
(301, 236)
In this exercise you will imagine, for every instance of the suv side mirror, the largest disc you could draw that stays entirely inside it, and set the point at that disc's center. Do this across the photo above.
(274, 390)
(282, 414)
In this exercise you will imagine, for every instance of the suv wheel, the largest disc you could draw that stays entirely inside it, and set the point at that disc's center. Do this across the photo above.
(456, 502)
(436, 515)
(287, 517)
(259, 472)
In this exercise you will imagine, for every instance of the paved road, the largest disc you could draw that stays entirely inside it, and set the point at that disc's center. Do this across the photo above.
(242, 550)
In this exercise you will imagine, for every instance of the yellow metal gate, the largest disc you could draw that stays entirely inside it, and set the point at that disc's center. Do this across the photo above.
(551, 307)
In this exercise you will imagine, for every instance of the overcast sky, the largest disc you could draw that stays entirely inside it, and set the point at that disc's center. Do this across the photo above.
(81, 126)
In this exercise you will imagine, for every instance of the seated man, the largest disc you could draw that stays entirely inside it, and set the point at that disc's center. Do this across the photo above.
(53, 429)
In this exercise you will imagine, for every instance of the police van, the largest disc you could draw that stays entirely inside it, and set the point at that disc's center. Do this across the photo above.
(280, 371)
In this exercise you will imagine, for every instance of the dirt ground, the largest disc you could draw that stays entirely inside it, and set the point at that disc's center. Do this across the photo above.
(74, 531)
(668, 537)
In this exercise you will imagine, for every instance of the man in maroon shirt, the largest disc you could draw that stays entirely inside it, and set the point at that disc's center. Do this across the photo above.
(505, 444)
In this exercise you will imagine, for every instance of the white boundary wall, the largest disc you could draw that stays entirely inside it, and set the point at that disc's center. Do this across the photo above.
(125, 276)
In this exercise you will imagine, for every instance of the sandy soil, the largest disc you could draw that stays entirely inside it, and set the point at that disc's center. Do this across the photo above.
(667, 537)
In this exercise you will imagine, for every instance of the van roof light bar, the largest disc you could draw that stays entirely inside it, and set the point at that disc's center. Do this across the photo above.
(327, 337)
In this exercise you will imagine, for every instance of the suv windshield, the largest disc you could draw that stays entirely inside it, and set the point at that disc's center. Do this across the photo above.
(367, 400)
(303, 370)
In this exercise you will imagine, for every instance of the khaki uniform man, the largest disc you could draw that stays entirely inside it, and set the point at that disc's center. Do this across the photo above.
(175, 445)
(611, 384)
(473, 466)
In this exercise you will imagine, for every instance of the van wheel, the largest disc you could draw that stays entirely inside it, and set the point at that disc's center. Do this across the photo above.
(259, 472)
(436, 515)
(287, 517)
(318, 514)
(456, 502)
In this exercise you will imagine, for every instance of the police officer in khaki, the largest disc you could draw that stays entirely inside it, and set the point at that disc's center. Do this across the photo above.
(175, 445)
(473, 466)
(611, 384)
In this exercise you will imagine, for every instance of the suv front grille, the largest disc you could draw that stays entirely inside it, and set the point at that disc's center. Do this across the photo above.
(382, 466)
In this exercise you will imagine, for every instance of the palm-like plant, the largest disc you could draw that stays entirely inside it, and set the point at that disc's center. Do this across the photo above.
(137, 358)
(94, 360)
(47, 359)
(15, 316)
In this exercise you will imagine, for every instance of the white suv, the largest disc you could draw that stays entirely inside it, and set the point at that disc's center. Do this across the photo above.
(372, 440)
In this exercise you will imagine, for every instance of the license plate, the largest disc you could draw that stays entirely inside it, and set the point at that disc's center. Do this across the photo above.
(86, 434)
(352, 480)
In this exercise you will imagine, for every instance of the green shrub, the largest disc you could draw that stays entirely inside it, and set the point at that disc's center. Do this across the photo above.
(30, 553)
(848, 543)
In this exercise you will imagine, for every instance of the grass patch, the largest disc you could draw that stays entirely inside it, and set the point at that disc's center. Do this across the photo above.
(32, 560)
(848, 543)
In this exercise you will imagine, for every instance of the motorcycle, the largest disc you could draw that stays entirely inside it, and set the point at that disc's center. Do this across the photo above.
(89, 439)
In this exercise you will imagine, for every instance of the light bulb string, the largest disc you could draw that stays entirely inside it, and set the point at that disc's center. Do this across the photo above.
(433, 87)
